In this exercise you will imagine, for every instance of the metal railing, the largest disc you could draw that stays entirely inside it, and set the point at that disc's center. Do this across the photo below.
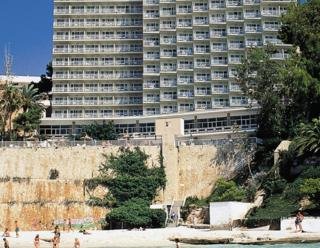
(149, 141)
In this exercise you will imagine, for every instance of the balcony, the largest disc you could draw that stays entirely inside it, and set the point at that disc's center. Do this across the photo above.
(236, 46)
(220, 104)
(168, 54)
(185, 52)
(252, 43)
(253, 15)
(219, 48)
(216, 62)
(203, 93)
(202, 79)
(184, 10)
(217, 6)
(273, 41)
(235, 32)
(151, 2)
(186, 94)
(202, 8)
(218, 34)
(154, 112)
(151, 99)
(273, 13)
(185, 67)
(168, 97)
(202, 64)
(234, 3)
(218, 20)
(151, 85)
(168, 41)
(168, 68)
(186, 109)
(151, 56)
(185, 81)
(202, 36)
(152, 70)
(203, 106)
(251, 2)
(151, 15)
(234, 18)
(184, 38)
(172, 83)
(242, 102)
(151, 43)
(220, 90)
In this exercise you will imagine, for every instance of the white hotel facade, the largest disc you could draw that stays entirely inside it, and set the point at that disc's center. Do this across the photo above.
(132, 61)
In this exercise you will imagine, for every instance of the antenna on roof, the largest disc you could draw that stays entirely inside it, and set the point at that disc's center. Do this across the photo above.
(8, 60)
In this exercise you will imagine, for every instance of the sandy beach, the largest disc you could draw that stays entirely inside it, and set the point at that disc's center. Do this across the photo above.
(149, 237)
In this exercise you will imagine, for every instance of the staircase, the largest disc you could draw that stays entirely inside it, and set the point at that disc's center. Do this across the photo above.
(175, 208)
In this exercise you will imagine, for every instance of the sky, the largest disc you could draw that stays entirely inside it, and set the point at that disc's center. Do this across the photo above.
(26, 27)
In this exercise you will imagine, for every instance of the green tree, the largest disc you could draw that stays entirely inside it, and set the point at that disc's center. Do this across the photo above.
(307, 142)
(227, 191)
(131, 184)
(10, 102)
(301, 27)
(105, 131)
(30, 98)
(28, 121)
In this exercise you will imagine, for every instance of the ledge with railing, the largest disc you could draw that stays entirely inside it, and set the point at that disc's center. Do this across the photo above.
(124, 141)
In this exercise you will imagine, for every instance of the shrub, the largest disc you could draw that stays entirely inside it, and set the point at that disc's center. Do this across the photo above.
(275, 207)
(227, 191)
(136, 213)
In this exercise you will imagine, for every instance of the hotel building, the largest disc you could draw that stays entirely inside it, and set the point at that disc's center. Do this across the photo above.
(132, 61)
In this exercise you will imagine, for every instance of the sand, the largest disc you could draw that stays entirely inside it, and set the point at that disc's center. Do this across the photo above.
(147, 238)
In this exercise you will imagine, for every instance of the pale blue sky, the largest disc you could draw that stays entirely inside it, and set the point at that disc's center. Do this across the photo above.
(27, 26)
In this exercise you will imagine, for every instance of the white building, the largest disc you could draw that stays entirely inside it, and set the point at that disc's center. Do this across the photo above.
(126, 59)
(19, 81)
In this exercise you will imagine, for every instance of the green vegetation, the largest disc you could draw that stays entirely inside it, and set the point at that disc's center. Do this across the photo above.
(105, 131)
(132, 188)
(227, 191)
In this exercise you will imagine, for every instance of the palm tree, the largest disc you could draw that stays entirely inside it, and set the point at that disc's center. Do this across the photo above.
(30, 98)
(10, 102)
(308, 141)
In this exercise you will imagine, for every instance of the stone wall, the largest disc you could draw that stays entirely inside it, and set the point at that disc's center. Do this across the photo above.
(27, 194)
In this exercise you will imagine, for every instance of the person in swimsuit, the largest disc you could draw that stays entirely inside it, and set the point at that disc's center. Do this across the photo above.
(5, 243)
(76, 243)
(69, 225)
(6, 233)
(36, 241)
(55, 242)
(298, 221)
(17, 229)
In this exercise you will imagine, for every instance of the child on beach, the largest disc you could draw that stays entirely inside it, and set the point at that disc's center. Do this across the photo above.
(17, 229)
(76, 243)
(6, 233)
(6, 243)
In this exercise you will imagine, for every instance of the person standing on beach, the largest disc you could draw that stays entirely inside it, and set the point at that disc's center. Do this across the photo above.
(36, 241)
(17, 229)
(69, 225)
(298, 221)
(5, 243)
(76, 243)
(177, 243)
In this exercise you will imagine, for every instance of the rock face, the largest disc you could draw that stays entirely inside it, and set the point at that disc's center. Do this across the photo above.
(198, 216)
(28, 195)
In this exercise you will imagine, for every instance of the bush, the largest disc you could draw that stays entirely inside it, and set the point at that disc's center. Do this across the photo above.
(275, 207)
(275, 186)
(227, 191)
(136, 213)
(158, 218)
(310, 172)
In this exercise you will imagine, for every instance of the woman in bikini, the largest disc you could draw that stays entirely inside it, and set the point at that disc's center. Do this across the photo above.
(36, 241)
